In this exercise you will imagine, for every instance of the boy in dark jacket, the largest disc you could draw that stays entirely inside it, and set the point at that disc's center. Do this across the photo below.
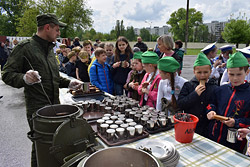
(71, 65)
(100, 72)
(231, 100)
(195, 95)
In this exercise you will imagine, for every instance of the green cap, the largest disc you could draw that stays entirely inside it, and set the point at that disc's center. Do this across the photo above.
(168, 64)
(137, 55)
(149, 57)
(237, 60)
(202, 60)
(48, 18)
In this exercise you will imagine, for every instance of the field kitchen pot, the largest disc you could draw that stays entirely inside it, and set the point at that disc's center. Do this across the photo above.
(122, 157)
(59, 131)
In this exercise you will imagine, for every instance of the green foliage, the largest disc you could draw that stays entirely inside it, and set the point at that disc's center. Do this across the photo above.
(47, 6)
(119, 28)
(13, 10)
(154, 37)
(21, 16)
(5, 25)
(144, 33)
(236, 31)
(130, 33)
(178, 23)
(27, 25)
(75, 14)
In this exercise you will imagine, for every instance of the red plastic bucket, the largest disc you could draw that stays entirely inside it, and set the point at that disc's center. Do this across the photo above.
(184, 131)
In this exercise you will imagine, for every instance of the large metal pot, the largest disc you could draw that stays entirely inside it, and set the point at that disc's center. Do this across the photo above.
(122, 157)
(59, 131)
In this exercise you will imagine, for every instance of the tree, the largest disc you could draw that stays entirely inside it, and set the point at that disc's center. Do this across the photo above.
(178, 22)
(236, 31)
(27, 25)
(75, 14)
(130, 33)
(47, 6)
(13, 10)
(145, 35)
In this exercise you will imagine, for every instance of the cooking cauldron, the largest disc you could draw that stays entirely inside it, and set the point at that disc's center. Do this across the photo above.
(59, 131)
(120, 156)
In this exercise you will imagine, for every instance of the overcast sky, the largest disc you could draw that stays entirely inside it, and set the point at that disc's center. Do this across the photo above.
(157, 12)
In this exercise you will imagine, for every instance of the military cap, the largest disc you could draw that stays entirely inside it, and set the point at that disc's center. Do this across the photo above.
(137, 55)
(202, 60)
(237, 60)
(245, 52)
(208, 48)
(226, 48)
(168, 64)
(47, 19)
(149, 57)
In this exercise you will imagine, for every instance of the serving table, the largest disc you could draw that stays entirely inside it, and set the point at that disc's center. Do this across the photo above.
(200, 152)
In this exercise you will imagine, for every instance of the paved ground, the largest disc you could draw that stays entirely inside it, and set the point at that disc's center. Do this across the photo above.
(15, 147)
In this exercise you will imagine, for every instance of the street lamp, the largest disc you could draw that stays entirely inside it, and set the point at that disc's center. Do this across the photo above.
(150, 23)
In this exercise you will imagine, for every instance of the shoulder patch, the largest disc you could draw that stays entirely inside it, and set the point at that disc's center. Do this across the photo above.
(24, 42)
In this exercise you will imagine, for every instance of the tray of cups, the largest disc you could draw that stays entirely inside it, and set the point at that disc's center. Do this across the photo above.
(92, 109)
(152, 121)
(115, 130)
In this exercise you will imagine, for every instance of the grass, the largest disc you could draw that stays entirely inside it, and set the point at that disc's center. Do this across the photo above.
(191, 51)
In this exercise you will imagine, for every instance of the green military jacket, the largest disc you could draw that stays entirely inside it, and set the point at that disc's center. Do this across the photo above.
(40, 54)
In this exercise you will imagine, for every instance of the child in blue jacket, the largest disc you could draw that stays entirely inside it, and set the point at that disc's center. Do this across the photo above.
(99, 73)
(231, 100)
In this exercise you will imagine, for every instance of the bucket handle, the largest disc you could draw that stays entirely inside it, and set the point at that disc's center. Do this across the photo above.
(89, 150)
(75, 159)
(30, 135)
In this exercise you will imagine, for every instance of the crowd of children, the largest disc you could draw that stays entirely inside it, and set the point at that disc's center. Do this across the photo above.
(220, 85)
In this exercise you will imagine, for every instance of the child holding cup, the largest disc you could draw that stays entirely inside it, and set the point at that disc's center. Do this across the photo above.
(231, 100)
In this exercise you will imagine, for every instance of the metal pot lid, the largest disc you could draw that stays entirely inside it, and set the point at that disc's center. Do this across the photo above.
(73, 135)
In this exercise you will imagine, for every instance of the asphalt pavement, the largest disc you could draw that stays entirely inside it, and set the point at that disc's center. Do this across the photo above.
(15, 147)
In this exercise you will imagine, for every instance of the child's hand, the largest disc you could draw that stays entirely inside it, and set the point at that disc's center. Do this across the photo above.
(216, 63)
(145, 90)
(230, 122)
(248, 151)
(145, 84)
(223, 65)
(125, 86)
(210, 115)
(117, 64)
(125, 64)
(242, 132)
(199, 89)
(131, 84)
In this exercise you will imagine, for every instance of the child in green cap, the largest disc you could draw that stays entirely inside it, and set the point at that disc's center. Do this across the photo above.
(136, 76)
(231, 101)
(149, 86)
(170, 85)
(195, 95)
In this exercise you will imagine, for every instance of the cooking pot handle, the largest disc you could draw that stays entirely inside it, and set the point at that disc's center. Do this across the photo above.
(30, 135)
(75, 159)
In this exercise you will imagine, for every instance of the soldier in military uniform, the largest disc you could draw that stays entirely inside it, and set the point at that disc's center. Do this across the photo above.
(33, 62)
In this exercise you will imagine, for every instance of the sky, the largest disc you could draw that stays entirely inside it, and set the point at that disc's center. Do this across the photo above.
(146, 13)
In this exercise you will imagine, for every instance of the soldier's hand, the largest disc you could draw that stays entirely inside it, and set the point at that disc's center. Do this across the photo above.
(32, 77)
(75, 85)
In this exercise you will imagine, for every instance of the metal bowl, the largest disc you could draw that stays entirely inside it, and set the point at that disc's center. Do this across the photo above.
(122, 157)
